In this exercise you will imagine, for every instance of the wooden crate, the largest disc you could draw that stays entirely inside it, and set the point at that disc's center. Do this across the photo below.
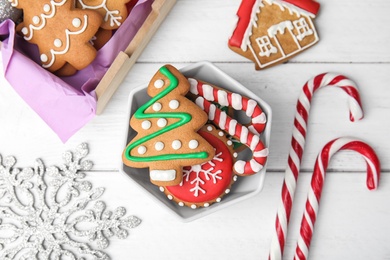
(127, 58)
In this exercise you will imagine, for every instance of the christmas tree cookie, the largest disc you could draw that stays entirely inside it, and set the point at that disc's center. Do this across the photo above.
(167, 126)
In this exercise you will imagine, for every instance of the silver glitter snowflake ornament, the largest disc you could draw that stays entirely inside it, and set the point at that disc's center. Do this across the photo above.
(47, 213)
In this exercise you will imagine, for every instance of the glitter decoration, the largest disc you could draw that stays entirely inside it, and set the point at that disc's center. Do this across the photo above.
(53, 213)
(7, 11)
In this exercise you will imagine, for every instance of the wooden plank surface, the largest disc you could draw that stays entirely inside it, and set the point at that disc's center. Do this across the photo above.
(353, 222)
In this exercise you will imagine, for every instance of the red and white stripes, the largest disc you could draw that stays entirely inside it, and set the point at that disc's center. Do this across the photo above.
(298, 144)
(241, 133)
(317, 182)
(234, 100)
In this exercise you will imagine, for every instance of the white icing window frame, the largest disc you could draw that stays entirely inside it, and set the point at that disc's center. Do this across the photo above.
(302, 28)
(265, 45)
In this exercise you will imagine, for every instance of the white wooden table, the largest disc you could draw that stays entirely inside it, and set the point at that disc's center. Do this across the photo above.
(353, 222)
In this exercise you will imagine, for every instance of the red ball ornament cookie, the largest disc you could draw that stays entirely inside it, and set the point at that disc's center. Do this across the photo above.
(206, 183)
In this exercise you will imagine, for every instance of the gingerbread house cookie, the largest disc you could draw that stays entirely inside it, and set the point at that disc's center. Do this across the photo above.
(269, 32)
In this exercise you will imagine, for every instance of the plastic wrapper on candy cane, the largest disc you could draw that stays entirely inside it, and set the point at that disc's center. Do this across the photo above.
(317, 183)
(246, 135)
(298, 145)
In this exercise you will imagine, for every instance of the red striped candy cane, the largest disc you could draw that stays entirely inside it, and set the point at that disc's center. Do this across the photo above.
(240, 132)
(234, 100)
(317, 183)
(298, 144)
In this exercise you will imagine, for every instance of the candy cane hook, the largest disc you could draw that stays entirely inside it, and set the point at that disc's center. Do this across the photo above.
(234, 100)
(317, 183)
(298, 145)
(240, 132)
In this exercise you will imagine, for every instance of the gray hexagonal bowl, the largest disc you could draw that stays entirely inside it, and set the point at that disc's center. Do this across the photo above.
(244, 188)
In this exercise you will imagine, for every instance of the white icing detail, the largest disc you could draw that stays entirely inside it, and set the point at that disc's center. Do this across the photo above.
(235, 178)
(141, 149)
(208, 92)
(260, 119)
(302, 28)
(181, 204)
(266, 47)
(206, 205)
(46, 8)
(208, 174)
(14, 3)
(157, 106)
(162, 189)
(176, 144)
(159, 146)
(236, 101)
(239, 167)
(193, 144)
(293, 9)
(235, 155)
(32, 28)
(66, 49)
(169, 196)
(255, 165)
(252, 23)
(162, 175)
(218, 200)
(161, 122)
(220, 133)
(76, 22)
(159, 83)
(193, 86)
(250, 108)
(57, 43)
(146, 124)
(232, 127)
(227, 191)
(244, 135)
(44, 58)
(222, 98)
(36, 19)
(280, 27)
(229, 142)
(193, 206)
(209, 128)
(24, 30)
(174, 104)
(113, 15)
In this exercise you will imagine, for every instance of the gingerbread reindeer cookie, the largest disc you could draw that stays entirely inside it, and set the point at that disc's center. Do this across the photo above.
(167, 126)
(114, 12)
(269, 32)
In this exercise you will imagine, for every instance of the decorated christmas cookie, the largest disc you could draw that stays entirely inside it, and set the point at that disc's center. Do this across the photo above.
(61, 32)
(167, 126)
(114, 12)
(269, 32)
(208, 182)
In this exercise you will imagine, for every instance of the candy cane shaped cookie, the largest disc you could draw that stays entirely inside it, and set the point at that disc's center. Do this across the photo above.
(240, 132)
(234, 100)
(298, 145)
(317, 183)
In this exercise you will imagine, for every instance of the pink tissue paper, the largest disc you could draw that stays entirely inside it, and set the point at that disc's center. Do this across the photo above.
(66, 104)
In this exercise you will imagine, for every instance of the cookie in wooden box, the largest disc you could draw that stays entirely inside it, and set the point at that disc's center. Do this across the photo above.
(269, 32)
